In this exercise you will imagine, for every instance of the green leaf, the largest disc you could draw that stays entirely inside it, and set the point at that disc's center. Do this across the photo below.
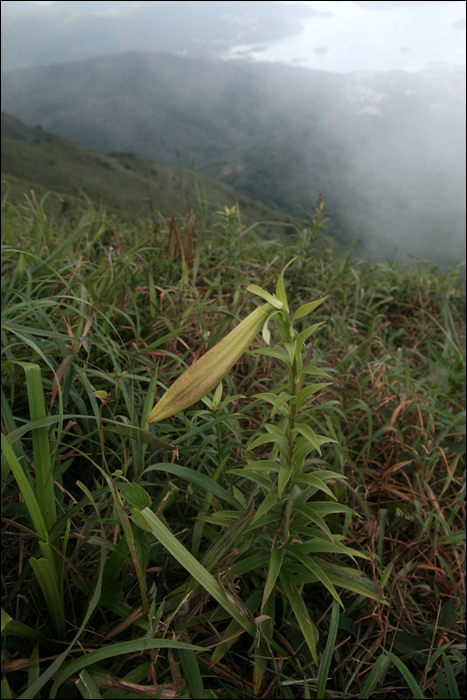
(14, 628)
(327, 507)
(308, 510)
(308, 391)
(264, 439)
(317, 546)
(277, 401)
(47, 581)
(136, 433)
(328, 474)
(450, 678)
(313, 480)
(138, 565)
(284, 325)
(275, 430)
(410, 645)
(301, 613)
(376, 674)
(266, 333)
(194, 477)
(280, 290)
(269, 502)
(407, 675)
(307, 308)
(447, 616)
(189, 664)
(53, 668)
(285, 472)
(309, 434)
(315, 569)
(233, 627)
(87, 687)
(41, 445)
(443, 692)
(256, 561)
(301, 449)
(259, 465)
(26, 489)
(192, 565)
(278, 353)
(112, 651)
(256, 476)
(311, 369)
(353, 580)
(301, 337)
(260, 292)
(328, 652)
(6, 690)
(217, 396)
(275, 565)
(135, 495)
(291, 349)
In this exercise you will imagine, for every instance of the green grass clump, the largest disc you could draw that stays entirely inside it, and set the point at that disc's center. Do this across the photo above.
(200, 556)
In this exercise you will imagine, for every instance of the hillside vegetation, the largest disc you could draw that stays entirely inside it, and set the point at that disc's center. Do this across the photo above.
(297, 532)
(35, 159)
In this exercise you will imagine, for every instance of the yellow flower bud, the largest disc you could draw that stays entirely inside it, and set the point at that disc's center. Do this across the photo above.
(206, 373)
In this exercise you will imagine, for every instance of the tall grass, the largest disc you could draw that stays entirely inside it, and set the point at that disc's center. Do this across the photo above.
(99, 318)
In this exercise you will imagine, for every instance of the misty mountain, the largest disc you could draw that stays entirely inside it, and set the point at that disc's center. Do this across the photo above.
(34, 159)
(71, 31)
(386, 150)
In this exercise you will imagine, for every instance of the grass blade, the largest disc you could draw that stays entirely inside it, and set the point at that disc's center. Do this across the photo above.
(112, 651)
(26, 490)
(450, 678)
(328, 651)
(375, 675)
(407, 675)
(275, 564)
(87, 687)
(300, 612)
(189, 663)
(48, 583)
(148, 521)
(41, 446)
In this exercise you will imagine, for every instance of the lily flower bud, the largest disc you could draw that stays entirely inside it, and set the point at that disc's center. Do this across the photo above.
(206, 373)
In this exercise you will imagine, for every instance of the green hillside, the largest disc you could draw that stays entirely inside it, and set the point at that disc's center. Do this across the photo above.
(34, 159)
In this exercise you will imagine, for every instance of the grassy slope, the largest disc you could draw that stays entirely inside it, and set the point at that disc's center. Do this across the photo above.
(33, 159)
(393, 341)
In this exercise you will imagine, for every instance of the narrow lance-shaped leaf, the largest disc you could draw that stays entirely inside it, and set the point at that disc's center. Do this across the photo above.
(280, 290)
(307, 308)
(260, 292)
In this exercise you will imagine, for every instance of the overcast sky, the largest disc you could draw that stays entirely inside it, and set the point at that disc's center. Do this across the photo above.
(376, 36)
(349, 36)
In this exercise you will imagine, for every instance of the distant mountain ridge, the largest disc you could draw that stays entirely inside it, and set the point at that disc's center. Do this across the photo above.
(13, 128)
(387, 150)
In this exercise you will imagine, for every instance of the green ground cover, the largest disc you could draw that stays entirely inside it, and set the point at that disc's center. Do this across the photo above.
(300, 534)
